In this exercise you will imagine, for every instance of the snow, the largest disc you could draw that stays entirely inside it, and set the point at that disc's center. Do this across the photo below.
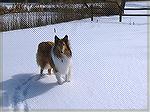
(109, 66)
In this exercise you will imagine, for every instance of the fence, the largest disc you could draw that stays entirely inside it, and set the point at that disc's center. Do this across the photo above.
(122, 8)
(41, 15)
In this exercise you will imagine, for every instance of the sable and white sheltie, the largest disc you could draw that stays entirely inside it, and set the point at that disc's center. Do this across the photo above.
(56, 56)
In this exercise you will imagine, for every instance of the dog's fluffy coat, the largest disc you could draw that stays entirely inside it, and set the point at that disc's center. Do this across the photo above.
(55, 56)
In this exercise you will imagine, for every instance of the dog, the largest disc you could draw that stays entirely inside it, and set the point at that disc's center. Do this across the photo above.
(56, 56)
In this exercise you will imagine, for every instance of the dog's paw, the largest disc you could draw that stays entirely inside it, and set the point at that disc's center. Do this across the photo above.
(60, 83)
(42, 76)
(60, 80)
(67, 80)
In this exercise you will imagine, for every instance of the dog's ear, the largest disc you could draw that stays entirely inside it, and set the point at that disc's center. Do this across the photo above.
(65, 38)
(56, 39)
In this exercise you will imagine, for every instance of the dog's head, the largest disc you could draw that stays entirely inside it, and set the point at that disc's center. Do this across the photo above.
(63, 46)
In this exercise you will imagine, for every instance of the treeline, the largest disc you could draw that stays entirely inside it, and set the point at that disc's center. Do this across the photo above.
(55, 1)
(48, 1)
(22, 15)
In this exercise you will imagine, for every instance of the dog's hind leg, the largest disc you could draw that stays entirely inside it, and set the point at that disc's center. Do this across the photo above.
(42, 65)
(49, 71)
(41, 72)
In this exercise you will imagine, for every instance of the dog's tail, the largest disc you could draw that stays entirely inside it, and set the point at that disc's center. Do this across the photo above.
(40, 53)
(38, 56)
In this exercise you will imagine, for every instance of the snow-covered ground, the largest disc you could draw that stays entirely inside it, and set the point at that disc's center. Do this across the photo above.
(109, 66)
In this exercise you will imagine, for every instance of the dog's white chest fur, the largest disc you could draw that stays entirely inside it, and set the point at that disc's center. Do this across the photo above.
(61, 64)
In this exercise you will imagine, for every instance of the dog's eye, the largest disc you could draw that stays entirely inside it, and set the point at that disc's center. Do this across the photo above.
(61, 44)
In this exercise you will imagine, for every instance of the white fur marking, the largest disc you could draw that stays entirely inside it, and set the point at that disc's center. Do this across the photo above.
(63, 67)
(48, 66)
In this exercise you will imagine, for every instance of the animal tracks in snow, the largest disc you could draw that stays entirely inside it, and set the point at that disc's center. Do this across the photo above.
(18, 101)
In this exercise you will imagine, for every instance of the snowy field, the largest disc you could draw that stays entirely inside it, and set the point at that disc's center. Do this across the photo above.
(109, 66)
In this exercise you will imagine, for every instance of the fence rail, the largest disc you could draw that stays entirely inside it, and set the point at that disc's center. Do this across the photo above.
(136, 8)
(136, 14)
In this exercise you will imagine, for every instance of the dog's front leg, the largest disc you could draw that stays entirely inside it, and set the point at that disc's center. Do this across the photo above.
(59, 78)
(68, 75)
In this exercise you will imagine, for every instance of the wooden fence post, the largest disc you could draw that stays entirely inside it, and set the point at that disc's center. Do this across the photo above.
(91, 7)
(121, 10)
